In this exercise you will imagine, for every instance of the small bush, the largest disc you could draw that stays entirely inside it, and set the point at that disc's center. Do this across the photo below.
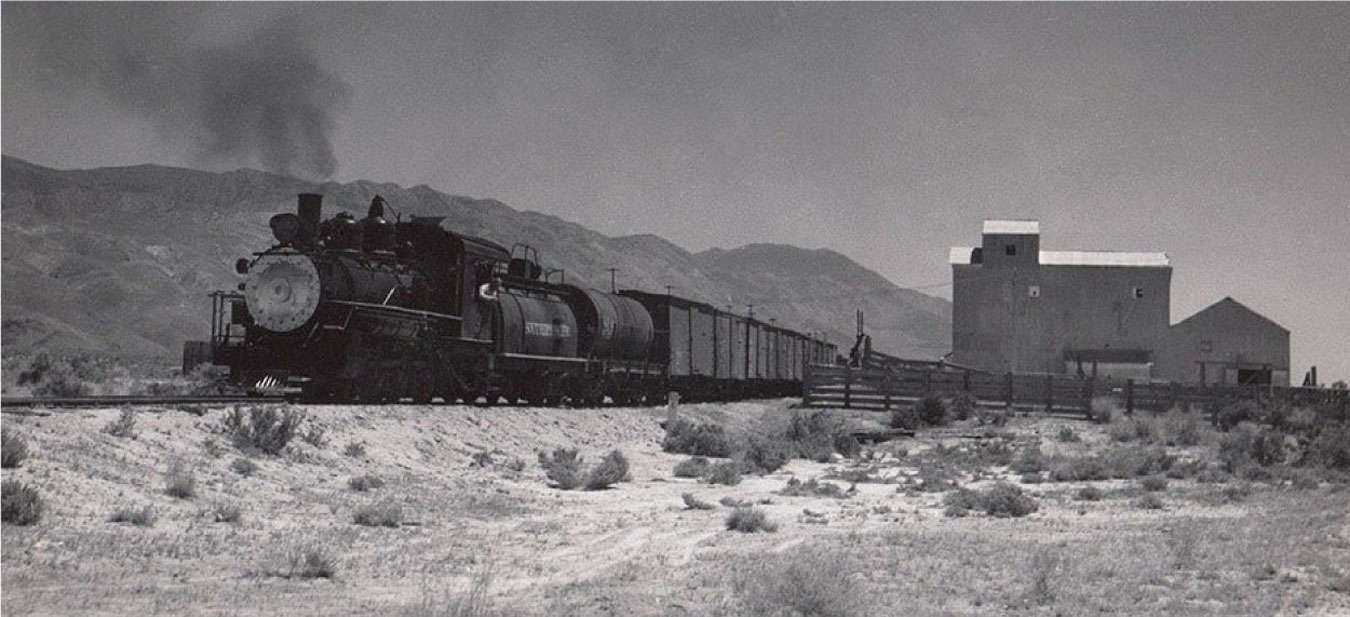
(1066, 435)
(1233, 413)
(124, 426)
(906, 418)
(817, 434)
(314, 436)
(1029, 461)
(310, 562)
(960, 502)
(1149, 501)
(1031, 477)
(243, 467)
(1103, 409)
(563, 468)
(13, 449)
(1089, 493)
(694, 503)
(1181, 428)
(264, 428)
(365, 483)
(764, 455)
(732, 502)
(180, 481)
(20, 504)
(750, 520)
(1154, 484)
(1078, 469)
(612, 469)
(685, 437)
(1002, 500)
(991, 417)
(1133, 462)
(935, 479)
(812, 488)
(804, 582)
(355, 449)
(385, 513)
(726, 473)
(222, 512)
(143, 517)
(933, 410)
(694, 467)
(961, 406)
(1246, 445)
(1331, 448)
(1044, 572)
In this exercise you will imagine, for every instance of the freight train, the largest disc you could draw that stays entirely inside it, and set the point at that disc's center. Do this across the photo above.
(376, 310)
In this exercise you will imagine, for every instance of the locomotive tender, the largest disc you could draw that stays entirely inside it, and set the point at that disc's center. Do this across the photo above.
(382, 311)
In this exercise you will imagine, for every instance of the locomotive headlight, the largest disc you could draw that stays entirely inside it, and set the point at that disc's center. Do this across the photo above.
(282, 291)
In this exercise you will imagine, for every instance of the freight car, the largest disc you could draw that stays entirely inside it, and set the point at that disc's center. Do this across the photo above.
(380, 311)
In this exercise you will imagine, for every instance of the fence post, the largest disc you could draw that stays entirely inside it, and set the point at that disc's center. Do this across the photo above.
(848, 387)
(1129, 396)
(1008, 390)
(1176, 395)
(927, 381)
(1088, 386)
(886, 389)
(965, 380)
(1049, 393)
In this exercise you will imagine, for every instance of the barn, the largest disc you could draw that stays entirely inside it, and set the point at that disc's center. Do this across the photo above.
(1227, 343)
(1018, 308)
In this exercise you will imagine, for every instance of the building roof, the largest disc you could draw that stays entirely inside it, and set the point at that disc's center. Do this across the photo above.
(960, 256)
(1017, 227)
(1228, 302)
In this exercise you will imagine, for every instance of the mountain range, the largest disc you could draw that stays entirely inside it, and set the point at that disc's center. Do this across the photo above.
(120, 261)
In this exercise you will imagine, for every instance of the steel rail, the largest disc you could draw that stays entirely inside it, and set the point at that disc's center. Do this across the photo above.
(15, 402)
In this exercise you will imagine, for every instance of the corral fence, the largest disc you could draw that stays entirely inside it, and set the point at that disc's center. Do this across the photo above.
(884, 387)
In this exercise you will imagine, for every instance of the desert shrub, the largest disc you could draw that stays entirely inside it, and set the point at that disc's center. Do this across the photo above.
(355, 449)
(1103, 409)
(1031, 477)
(1078, 469)
(764, 455)
(1303, 480)
(935, 479)
(1133, 462)
(1331, 448)
(847, 445)
(1002, 500)
(1067, 435)
(180, 481)
(1154, 484)
(385, 513)
(1043, 571)
(805, 582)
(750, 520)
(1246, 445)
(726, 472)
(1029, 461)
(694, 503)
(694, 467)
(1186, 469)
(685, 437)
(1181, 427)
(1149, 501)
(309, 562)
(933, 410)
(907, 418)
(263, 428)
(563, 468)
(141, 517)
(812, 488)
(611, 469)
(51, 376)
(991, 417)
(817, 434)
(365, 483)
(1089, 493)
(1133, 429)
(732, 502)
(314, 436)
(224, 512)
(20, 504)
(243, 466)
(13, 449)
(961, 406)
(124, 426)
(1232, 413)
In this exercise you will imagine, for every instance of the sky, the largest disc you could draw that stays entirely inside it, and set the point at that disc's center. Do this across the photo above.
(1217, 133)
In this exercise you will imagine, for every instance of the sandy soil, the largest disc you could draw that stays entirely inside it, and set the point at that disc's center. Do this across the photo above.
(634, 549)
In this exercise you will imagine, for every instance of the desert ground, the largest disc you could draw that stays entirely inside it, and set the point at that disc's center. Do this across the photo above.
(479, 529)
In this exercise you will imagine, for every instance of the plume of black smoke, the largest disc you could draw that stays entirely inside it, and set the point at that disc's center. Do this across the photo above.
(265, 100)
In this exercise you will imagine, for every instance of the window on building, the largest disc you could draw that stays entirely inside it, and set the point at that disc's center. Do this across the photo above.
(1010, 249)
(1139, 292)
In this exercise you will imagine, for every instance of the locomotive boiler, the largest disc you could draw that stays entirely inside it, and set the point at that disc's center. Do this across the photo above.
(378, 310)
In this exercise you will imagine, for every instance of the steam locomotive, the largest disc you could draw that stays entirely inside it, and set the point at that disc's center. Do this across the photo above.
(381, 311)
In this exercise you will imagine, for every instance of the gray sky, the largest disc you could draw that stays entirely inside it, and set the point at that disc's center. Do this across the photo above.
(1219, 133)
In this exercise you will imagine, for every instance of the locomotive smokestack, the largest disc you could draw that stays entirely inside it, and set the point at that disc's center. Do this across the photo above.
(311, 211)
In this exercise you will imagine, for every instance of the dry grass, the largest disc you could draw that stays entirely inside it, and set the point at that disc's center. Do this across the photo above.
(818, 581)
(365, 483)
(750, 520)
(141, 517)
(124, 426)
(383, 513)
(180, 481)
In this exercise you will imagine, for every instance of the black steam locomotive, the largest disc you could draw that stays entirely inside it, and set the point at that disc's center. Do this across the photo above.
(381, 311)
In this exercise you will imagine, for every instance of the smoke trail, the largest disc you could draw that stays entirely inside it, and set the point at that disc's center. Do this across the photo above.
(265, 100)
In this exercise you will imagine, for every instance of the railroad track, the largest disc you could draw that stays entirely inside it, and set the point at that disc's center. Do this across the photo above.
(14, 404)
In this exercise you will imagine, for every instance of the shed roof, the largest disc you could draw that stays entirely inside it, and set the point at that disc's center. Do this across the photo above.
(1227, 303)
(960, 256)
(1012, 226)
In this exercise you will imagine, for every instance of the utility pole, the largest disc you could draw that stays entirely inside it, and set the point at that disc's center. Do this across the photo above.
(612, 287)
(668, 288)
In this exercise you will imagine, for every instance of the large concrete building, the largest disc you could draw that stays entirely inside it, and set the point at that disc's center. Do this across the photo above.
(1018, 308)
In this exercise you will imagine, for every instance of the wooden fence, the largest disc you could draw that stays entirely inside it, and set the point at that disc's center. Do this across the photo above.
(885, 388)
